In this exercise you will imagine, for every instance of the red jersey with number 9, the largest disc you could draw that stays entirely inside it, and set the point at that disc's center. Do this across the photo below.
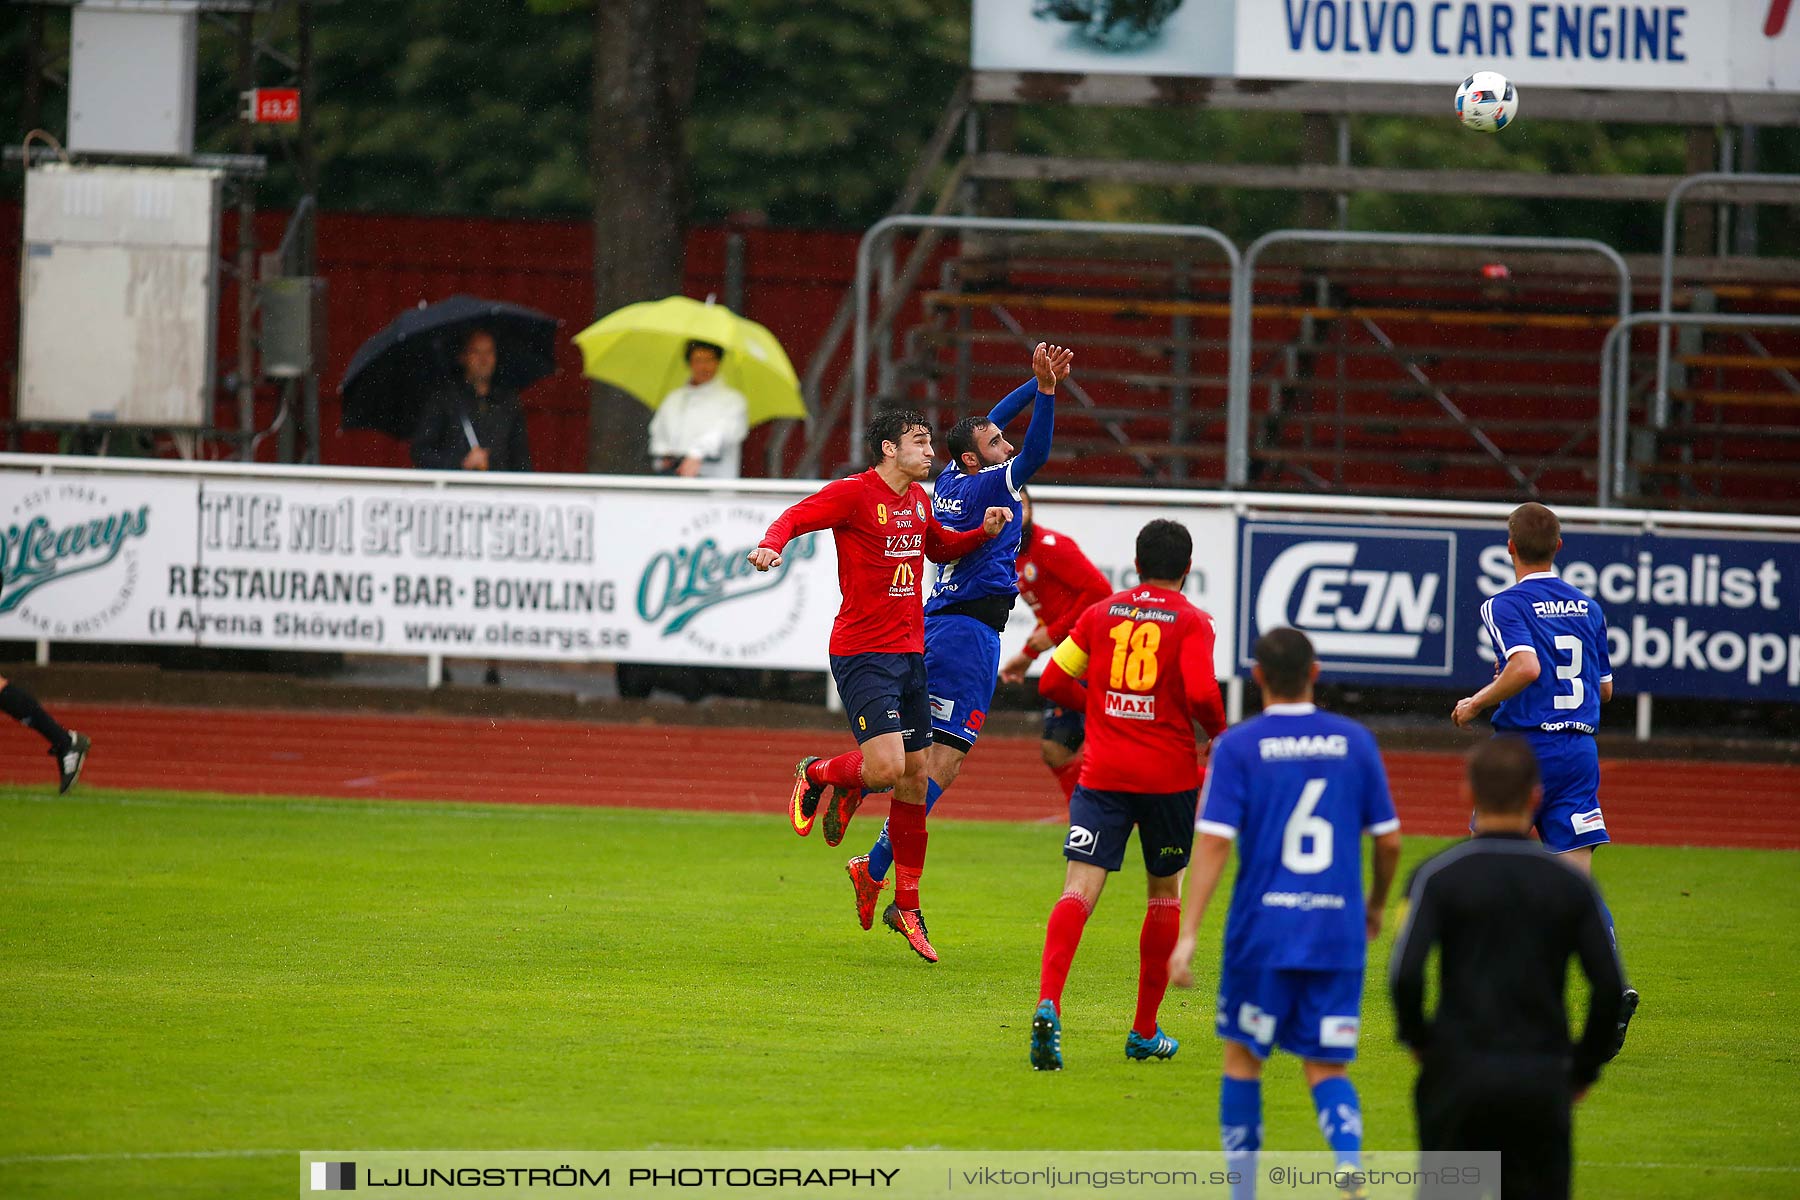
(1147, 655)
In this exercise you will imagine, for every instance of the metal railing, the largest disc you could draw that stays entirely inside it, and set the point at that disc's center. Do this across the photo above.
(1721, 181)
(1237, 415)
(1615, 399)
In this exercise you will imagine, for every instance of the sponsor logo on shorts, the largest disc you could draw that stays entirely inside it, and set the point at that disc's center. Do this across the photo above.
(893, 714)
(1588, 822)
(1257, 1023)
(1081, 840)
(1128, 707)
(977, 719)
(1339, 1033)
(942, 709)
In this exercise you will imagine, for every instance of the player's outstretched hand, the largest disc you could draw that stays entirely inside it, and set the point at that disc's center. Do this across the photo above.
(1013, 669)
(1181, 963)
(1465, 712)
(1051, 365)
(997, 517)
(762, 558)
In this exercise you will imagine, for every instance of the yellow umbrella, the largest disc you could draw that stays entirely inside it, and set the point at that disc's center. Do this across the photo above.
(642, 348)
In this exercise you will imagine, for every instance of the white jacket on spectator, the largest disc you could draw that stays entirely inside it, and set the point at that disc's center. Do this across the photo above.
(708, 422)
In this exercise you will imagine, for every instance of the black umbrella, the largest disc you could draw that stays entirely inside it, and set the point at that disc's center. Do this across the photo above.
(393, 372)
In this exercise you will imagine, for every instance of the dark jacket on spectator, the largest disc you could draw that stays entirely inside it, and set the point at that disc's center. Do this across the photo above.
(441, 442)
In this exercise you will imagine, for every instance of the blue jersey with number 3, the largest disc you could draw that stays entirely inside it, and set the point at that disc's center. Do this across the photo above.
(1565, 629)
(1297, 788)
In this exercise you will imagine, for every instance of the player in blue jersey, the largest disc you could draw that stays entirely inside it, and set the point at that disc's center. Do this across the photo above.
(1296, 788)
(973, 596)
(1557, 673)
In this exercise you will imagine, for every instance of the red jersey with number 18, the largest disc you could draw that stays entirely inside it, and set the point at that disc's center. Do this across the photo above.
(1147, 654)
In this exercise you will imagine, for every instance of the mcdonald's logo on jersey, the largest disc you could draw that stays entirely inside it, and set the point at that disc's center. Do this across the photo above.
(905, 581)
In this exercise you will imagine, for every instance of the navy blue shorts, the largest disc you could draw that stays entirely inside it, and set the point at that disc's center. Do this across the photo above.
(1065, 726)
(884, 693)
(962, 665)
(1100, 824)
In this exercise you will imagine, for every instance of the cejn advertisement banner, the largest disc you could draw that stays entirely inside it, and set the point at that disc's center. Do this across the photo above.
(1687, 614)
(1694, 45)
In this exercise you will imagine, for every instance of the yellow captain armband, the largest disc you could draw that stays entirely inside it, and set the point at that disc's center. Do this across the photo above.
(1071, 658)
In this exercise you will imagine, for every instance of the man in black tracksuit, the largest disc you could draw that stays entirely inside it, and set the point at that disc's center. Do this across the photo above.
(1498, 1070)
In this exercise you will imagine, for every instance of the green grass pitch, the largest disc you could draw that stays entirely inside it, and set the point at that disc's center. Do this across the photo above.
(191, 988)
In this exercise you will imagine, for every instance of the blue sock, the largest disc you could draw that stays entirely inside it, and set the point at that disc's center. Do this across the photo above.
(1240, 1131)
(881, 854)
(1606, 915)
(1340, 1118)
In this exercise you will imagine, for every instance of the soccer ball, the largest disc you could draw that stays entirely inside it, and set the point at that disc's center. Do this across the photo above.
(1487, 102)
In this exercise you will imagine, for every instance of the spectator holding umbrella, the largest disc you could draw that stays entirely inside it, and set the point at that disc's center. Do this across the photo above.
(473, 423)
(699, 428)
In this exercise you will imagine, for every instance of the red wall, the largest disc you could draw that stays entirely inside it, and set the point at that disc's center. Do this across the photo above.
(375, 265)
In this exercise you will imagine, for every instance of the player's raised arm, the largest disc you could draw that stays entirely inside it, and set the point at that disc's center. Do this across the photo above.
(824, 509)
(1049, 367)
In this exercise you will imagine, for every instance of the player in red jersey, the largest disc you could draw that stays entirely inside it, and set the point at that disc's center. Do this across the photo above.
(1059, 583)
(882, 523)
(1155, 680)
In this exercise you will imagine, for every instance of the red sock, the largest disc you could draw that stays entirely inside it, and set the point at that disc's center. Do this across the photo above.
(1067, 920)
(1066, 775)
(1162, 925)
(906, 833)
(845, 771)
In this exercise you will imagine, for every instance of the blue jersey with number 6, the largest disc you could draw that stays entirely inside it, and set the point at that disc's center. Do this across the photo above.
(1565, 629)
(1297, 788)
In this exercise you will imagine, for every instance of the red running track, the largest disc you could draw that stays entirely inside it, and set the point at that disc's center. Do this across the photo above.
(388, 757)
